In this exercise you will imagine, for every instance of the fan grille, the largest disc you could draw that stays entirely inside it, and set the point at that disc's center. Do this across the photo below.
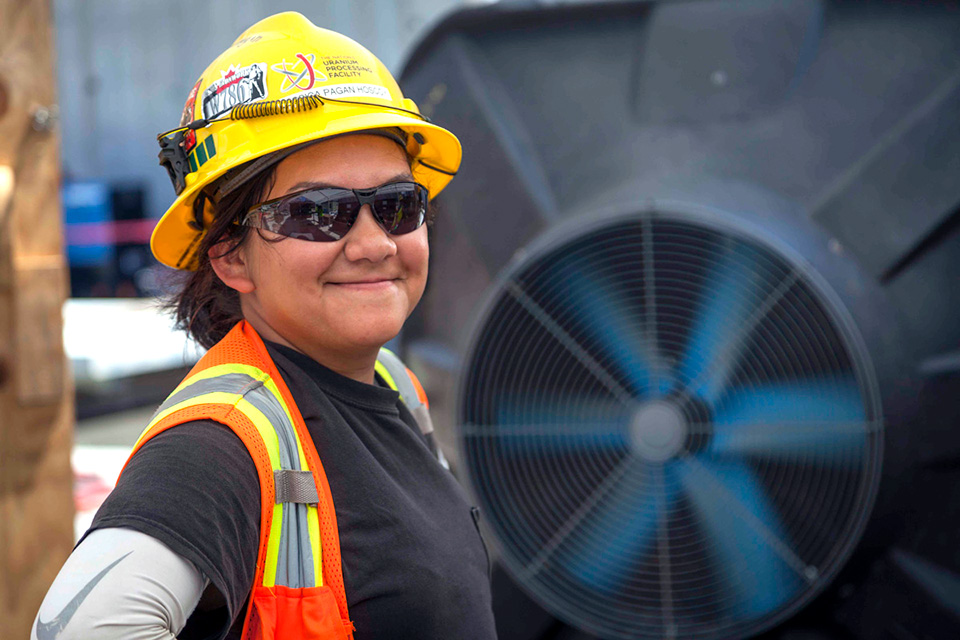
(671, 429)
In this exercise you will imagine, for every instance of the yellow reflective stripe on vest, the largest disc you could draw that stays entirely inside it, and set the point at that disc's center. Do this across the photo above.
(381, 369)
(269, 437)
(216, 371)
(219, 370)
(293, 545)
(218, 397)
(313, 528)
(277, 527)
(399, 378)
(253, 372)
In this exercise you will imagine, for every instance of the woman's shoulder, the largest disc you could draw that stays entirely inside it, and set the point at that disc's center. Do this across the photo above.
(194, 487)
(203, 439)
(192, 456)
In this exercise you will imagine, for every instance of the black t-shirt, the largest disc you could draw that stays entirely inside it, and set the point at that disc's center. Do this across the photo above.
(413, 561)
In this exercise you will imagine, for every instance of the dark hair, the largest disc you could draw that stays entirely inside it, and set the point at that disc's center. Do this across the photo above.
(205, 307)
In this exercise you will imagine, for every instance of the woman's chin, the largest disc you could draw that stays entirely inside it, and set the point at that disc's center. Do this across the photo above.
(361, 336)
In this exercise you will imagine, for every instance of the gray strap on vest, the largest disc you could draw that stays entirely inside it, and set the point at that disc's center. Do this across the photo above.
(294, 486)
(408, 392)
(422, 414)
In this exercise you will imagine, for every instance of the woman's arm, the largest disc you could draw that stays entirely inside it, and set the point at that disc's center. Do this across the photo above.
(120, 583)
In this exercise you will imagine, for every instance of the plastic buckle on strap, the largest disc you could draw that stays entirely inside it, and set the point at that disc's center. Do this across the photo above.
(294, 486)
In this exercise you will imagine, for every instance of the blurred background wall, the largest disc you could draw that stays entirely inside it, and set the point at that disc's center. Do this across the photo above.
(124, 69)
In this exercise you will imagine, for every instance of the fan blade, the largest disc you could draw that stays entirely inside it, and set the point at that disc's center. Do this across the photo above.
(605, 317)
(742, 529)
(733, 291)
(823, 420)
(581, 427)
(620, 530)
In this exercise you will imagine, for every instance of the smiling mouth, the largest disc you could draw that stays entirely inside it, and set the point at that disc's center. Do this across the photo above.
(366, 284)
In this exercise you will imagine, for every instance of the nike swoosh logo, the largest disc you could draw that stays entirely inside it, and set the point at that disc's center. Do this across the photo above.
(50, 630)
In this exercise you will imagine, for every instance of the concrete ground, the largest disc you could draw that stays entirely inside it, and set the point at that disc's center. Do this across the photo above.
(117, 429)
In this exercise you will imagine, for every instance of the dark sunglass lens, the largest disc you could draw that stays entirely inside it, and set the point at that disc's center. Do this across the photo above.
(401, 207)
(321, 216)
(327, 215)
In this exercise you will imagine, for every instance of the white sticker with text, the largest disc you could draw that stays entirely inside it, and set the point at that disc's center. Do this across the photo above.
(354, 90)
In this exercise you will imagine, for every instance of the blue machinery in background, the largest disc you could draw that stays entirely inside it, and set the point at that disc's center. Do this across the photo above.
(698, 281)
(107, 240)
(670, 429)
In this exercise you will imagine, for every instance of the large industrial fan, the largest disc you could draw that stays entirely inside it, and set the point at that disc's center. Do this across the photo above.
(672, 426)
(697, 285)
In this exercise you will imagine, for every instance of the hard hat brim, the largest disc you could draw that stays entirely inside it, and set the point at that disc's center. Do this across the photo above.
(434, 163)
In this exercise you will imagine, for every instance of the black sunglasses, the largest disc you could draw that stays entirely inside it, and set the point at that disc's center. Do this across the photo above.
(326, 214)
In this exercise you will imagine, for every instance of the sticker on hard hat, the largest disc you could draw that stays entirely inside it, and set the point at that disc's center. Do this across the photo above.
(344, 67)
(237, 85)
(249, 39)
(190, 136)
(187, 115)
(354, 90)
(203, 152)
(300, 74)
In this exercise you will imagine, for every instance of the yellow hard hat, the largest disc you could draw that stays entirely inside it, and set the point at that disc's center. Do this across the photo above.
(282, 83)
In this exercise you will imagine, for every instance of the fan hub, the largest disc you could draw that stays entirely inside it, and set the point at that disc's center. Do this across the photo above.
(658, 431)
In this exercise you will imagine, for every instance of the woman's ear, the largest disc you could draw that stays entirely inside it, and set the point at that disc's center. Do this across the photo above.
(231, 266)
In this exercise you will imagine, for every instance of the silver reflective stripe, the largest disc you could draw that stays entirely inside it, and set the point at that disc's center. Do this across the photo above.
(295, 486)
(228, 383)
(261, 398)
(422, 414)
(408, 392)
(443, 459)
(253, 391)
(295, 560)
(295, 557)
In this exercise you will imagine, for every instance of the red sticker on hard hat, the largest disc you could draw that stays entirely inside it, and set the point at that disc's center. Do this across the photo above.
(300, 74)
(189, 140)
(187, 115)
(237, 85)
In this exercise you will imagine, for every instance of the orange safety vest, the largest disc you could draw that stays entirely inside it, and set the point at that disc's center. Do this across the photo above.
(298, 588)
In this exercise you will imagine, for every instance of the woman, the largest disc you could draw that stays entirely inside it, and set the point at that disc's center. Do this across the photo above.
(286, 489)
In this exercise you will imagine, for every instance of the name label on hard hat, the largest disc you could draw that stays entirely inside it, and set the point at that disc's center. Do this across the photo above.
(353, 90)
(237, 85)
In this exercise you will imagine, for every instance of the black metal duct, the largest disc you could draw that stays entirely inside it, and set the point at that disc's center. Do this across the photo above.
(692, 319)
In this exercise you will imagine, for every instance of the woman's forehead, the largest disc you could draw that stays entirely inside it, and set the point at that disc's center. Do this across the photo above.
(355, 161)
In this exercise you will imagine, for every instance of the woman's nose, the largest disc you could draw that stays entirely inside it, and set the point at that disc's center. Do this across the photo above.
(367, 240)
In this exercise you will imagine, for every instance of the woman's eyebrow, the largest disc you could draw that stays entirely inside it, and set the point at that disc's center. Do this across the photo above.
(406, 176)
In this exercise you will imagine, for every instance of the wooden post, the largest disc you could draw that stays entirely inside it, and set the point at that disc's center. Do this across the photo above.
(36, 395)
